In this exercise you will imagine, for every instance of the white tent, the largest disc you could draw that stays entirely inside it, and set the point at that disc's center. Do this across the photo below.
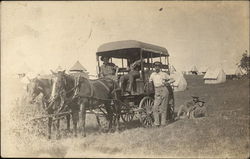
(172, 68)
(180, 83)
(203, 69)
(194, 70)
(215, 76)
(78, 69)
(230, 71)
(239, 72)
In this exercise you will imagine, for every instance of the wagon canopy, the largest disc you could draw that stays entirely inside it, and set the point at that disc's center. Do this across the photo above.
(131, 48)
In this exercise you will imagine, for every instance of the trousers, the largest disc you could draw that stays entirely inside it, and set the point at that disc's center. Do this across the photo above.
(160, 105)
(130, 77)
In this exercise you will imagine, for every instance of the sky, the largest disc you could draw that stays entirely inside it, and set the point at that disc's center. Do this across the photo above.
(43, 35)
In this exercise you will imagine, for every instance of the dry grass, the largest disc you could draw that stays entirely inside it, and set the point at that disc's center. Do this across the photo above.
(224, 133)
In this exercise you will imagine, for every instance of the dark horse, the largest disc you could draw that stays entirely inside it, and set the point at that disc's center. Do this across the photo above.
(44, 86)
(87, 94)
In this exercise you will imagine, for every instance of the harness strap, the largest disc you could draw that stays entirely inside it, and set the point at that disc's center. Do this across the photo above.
(91, 89)
(107, 88)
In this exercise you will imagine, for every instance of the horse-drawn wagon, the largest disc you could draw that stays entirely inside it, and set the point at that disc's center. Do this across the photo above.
(102, 96)
(141, 102)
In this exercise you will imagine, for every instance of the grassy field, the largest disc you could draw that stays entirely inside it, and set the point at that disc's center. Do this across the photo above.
(224, 133)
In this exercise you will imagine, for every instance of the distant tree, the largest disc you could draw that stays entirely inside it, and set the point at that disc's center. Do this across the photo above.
(245, 61)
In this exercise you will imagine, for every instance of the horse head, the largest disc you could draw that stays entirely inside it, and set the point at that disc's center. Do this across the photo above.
(58, 84)
(33, 90)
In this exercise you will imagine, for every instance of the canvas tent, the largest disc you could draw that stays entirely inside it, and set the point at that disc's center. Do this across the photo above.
(172, 69)
(180, 83)
(203, 69)
(194, 70)
(215, 76)
(78, 69)
(239, 72)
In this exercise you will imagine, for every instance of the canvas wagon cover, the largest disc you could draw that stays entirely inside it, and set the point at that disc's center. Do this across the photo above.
(129, 44)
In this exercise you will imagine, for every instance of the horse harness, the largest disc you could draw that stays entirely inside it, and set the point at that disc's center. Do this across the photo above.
(77, 89)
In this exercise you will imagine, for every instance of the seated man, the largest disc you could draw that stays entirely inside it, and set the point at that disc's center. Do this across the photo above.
(199, 110)
(187, 107)
(108, 69)
(132, 75)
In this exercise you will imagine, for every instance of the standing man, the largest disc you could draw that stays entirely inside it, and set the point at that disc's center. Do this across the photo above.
(160, 107)
(108, 69)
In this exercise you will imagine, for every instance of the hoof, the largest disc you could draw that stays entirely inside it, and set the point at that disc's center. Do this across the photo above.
(49, 137)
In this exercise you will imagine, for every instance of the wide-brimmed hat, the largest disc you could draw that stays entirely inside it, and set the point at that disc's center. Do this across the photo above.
(202, 100)
(102, 58)
(157, 63)
(195, 96)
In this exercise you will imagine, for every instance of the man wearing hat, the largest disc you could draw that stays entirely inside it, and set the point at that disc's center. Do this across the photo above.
(108, 69)
(199, 110)
(160, 80)
(187, 107)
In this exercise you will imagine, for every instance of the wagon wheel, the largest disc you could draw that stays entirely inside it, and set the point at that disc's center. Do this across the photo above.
(171, 105)
(102, 119)
(146, 112)
(126, 114)
(103, 123)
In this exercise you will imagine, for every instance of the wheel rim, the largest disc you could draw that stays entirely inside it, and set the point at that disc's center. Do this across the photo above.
(126, 114)
(146, 115)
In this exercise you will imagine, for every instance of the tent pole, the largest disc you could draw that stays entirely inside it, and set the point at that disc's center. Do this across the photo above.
(152, 65)
(142, 70)
(168, 65)
(98, 69)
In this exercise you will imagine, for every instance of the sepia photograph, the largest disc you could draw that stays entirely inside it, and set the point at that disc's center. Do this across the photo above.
(125, 79)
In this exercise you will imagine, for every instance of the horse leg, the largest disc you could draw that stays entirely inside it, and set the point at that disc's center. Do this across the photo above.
(58, 129)
(49, 127)
(68, 122)
(75, 118)
(83, 115)
(109, 116)
(118, 114)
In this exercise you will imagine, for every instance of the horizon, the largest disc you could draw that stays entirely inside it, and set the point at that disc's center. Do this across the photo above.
(45, 35)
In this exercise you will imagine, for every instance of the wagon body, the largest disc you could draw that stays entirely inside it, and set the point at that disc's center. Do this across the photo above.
(120, 53)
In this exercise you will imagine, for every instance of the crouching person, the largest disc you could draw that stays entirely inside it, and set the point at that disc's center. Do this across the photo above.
(185, 109)
(199, 110)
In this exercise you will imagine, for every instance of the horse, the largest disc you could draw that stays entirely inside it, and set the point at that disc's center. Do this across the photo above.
(39, 86)
(88, 94)
(42, 86)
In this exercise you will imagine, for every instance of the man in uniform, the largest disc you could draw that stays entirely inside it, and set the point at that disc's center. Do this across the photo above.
(187, 107)
(160, 80)
(108, 69)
